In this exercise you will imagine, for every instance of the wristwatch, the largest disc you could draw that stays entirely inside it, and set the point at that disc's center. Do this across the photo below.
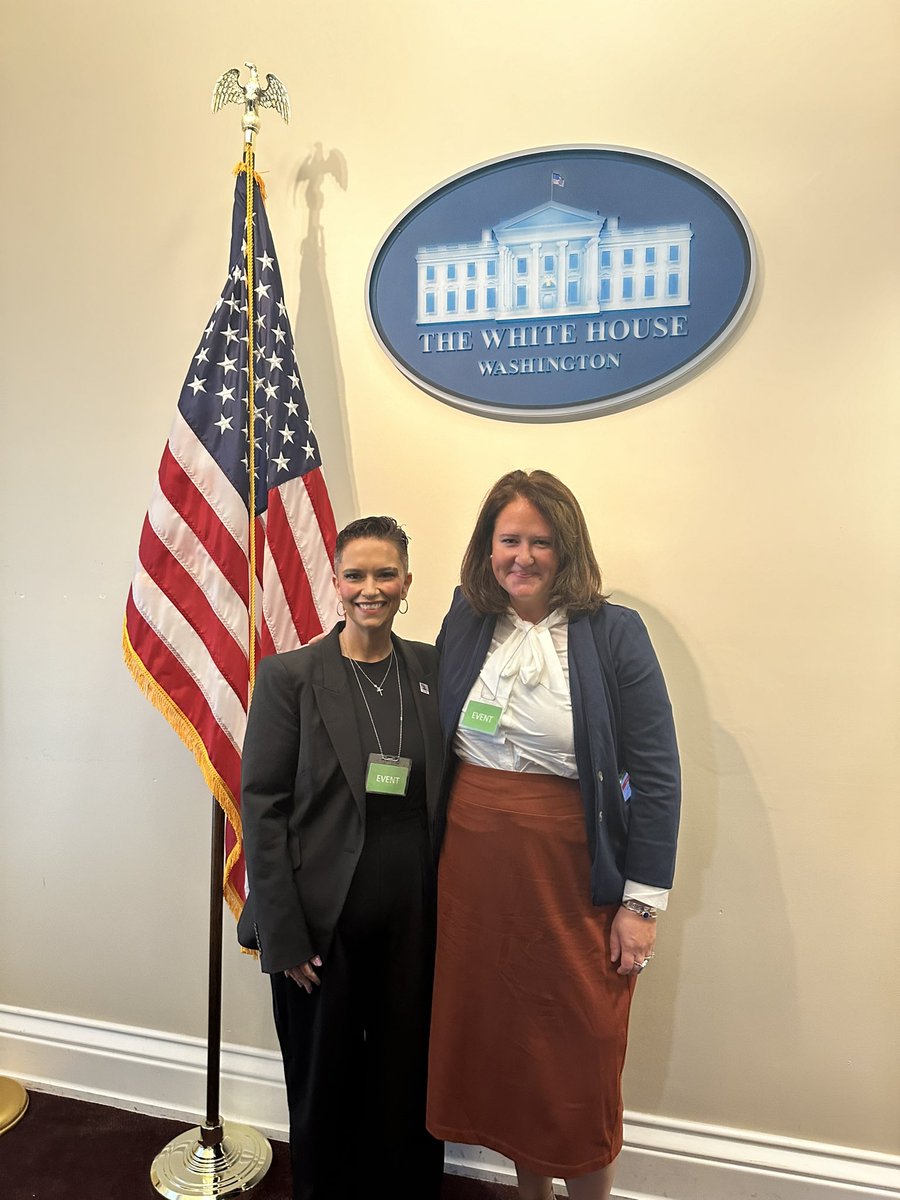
(647, 911)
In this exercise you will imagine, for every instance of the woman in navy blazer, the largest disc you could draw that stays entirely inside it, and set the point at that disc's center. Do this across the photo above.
(558, 843)
(340, 859)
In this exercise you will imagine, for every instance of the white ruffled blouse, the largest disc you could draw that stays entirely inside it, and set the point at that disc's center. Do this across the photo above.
(526, 672)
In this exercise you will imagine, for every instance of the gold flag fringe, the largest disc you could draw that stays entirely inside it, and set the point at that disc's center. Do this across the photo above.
(163, 702)
(156, 694)
(260, 183)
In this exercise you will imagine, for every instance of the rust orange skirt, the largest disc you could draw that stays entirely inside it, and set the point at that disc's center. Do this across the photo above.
(530, 1019)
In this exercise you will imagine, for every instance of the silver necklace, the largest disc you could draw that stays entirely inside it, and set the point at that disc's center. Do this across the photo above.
(379, 687)
(356, 675)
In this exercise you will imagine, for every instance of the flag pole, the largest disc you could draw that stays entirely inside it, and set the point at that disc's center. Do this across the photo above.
(219, 1158)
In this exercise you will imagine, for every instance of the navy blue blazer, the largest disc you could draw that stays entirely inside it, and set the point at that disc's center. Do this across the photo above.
(623, 722)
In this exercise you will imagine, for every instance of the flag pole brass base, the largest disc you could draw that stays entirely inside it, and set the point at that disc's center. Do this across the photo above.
(13, 1102)
(211, 1161)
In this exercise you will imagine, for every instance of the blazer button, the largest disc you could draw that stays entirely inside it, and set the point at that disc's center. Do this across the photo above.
(600, 776)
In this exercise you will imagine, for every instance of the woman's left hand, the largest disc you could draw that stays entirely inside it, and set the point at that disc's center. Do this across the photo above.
(631, 940)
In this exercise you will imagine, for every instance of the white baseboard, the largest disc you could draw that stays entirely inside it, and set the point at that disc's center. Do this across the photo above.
(686, 1160)
(145, 1070)
(664, 1158)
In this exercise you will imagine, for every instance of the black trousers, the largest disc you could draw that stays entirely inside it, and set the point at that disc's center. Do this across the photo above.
(356, 1050)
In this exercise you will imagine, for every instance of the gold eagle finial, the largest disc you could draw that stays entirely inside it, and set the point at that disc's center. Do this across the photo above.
(252, 95)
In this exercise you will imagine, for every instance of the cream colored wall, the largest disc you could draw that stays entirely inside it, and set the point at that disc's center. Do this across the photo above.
(751, 515)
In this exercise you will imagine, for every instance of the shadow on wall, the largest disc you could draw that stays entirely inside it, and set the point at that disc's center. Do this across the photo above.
(320, 363)
(719, 1022)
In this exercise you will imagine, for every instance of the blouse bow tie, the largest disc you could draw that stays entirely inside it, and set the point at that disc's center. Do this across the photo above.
(527, 653)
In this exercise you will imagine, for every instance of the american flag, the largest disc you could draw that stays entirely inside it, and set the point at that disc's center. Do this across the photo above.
(187, 618)
(557, 180)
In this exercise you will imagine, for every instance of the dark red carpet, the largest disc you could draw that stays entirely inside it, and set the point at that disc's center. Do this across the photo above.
(72, 1150)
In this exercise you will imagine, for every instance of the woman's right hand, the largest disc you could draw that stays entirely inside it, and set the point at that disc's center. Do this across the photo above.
(304, 975)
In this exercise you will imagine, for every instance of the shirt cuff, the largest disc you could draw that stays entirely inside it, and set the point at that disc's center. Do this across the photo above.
(657, 897)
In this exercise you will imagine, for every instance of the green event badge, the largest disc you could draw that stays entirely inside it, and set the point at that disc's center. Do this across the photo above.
(481, 716)
(388, 776)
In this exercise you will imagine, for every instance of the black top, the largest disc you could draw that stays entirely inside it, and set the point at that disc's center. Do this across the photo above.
(385, 713)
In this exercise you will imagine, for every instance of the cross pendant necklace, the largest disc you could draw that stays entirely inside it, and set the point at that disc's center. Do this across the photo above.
(379, 687)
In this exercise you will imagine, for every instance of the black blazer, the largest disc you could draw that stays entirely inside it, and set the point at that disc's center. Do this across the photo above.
(303, 802)
(622, 721)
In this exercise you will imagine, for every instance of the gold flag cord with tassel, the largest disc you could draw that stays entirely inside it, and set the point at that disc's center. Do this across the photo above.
(250, 174)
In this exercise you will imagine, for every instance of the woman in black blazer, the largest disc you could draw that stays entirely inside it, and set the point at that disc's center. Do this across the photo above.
(341, 771)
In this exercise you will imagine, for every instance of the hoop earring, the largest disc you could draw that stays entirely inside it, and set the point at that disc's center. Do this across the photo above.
(339, 609)
(403, 611)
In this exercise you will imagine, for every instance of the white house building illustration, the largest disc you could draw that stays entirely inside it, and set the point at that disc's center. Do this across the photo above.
(554, 261)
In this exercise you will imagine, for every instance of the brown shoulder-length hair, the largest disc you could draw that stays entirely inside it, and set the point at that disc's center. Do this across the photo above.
(578, 586)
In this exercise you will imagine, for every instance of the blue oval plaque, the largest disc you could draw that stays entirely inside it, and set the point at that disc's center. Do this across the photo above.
(561, 283)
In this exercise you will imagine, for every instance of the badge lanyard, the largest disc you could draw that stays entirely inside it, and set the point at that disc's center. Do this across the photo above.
(386, 774)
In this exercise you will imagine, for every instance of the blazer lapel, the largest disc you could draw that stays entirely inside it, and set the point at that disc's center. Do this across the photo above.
(429, 722)
(337, 712)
